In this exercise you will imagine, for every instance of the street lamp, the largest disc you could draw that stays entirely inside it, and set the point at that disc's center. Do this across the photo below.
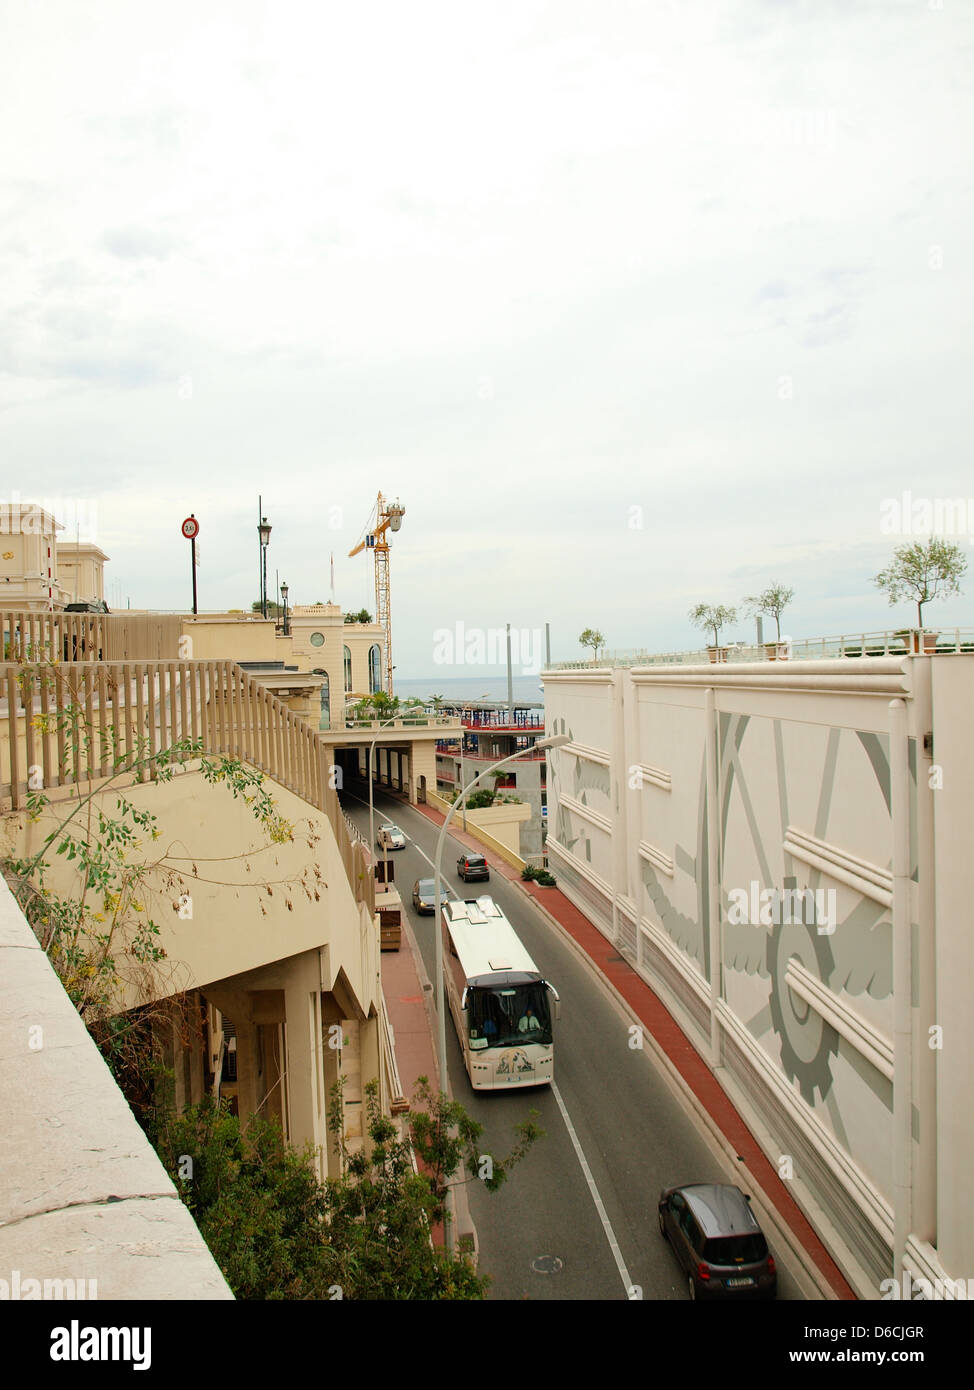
(264, 533)
(284, 597)
(556, 741)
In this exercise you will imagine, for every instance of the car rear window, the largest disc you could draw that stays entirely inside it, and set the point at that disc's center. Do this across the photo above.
(476, 860)
(736, 1250)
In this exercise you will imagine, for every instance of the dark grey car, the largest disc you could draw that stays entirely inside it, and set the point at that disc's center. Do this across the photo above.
(718, 1242)
(424, 895)
(472, 866)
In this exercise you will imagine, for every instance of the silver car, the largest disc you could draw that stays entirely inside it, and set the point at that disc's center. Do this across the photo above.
(390, 837)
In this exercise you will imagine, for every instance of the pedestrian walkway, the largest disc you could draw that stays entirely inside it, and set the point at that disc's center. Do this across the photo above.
(409, 1006)
(673, 1042)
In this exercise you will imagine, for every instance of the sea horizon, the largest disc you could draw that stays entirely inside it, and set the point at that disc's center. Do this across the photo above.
(527, 689)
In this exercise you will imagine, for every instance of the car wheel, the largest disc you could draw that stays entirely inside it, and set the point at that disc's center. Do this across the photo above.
(693, 1287)
(662, 1224)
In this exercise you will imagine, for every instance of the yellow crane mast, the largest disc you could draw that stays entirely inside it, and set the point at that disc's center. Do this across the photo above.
(388, 518)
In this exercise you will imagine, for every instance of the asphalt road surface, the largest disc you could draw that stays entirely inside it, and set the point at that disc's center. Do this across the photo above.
(577, 1218)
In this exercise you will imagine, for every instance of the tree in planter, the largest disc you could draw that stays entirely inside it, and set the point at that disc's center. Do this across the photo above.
(922, 572)
(591, 637)
(534, 873)
(480, 799)
(378, 706)
(362, 616)
(711, 618)
(772, 601)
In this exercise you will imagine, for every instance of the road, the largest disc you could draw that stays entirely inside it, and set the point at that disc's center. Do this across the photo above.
(577, 1217)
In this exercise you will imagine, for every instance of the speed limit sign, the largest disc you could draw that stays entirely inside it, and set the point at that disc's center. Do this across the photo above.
(191, 528)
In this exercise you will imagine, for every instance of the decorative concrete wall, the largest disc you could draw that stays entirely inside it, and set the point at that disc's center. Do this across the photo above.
(775, 849)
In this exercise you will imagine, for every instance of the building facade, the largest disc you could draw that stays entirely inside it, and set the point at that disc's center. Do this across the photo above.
(491, 732)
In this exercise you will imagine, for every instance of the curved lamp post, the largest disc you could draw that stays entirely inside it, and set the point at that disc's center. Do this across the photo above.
(439, 994)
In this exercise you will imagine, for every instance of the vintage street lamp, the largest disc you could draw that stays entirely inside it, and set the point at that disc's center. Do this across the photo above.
(264, 532)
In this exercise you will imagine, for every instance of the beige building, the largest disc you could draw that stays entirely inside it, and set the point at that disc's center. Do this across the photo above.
(273, 942)
(28, 558)
(81, 571)
(39, 571)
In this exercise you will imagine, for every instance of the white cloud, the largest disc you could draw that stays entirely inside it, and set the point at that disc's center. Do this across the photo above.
(529, 266)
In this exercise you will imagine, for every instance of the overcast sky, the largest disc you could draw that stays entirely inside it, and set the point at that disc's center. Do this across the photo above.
(633, 304)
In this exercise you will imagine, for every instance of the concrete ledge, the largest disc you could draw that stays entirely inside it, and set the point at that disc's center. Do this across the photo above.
(83, 1194)
(140, 1248)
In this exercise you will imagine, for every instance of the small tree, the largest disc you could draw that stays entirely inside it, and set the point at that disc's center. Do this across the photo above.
(362, 616)
(711, 618)
(773, 601)
(922, 572)
(591, 637)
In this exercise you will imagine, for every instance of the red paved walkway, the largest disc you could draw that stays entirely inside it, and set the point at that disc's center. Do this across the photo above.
(651, 1012)
(407, 1005)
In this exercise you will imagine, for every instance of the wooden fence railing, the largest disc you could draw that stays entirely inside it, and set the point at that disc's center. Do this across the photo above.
(63, 724)
(31, 637)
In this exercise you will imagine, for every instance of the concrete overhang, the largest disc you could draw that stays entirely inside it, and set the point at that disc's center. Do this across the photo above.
(284, 684)
(402, 731)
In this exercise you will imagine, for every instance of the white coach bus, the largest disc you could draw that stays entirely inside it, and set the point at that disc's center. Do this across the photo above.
(500, 1003)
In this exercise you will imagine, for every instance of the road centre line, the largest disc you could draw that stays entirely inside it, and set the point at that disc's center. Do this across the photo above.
(596, 1196)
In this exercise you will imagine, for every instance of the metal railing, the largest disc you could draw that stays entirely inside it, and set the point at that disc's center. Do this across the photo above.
(406, 721)
(877, 643)
(502, 725)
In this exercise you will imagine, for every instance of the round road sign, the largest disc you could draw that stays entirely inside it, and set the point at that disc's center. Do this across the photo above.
(191, 528)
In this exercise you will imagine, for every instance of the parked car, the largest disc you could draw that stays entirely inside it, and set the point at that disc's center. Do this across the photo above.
(424, 895)
(472, 866)
(95, 605)
(718, 1242)
(390, 837)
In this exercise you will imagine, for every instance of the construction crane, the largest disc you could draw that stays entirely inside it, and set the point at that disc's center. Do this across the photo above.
(388, 517)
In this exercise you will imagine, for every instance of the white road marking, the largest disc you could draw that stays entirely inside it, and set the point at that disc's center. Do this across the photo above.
(596, 1198)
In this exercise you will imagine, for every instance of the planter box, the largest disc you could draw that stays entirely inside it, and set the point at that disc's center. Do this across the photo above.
(919, 641)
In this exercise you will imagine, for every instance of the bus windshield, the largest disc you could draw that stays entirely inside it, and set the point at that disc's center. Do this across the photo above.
(508, 1015)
